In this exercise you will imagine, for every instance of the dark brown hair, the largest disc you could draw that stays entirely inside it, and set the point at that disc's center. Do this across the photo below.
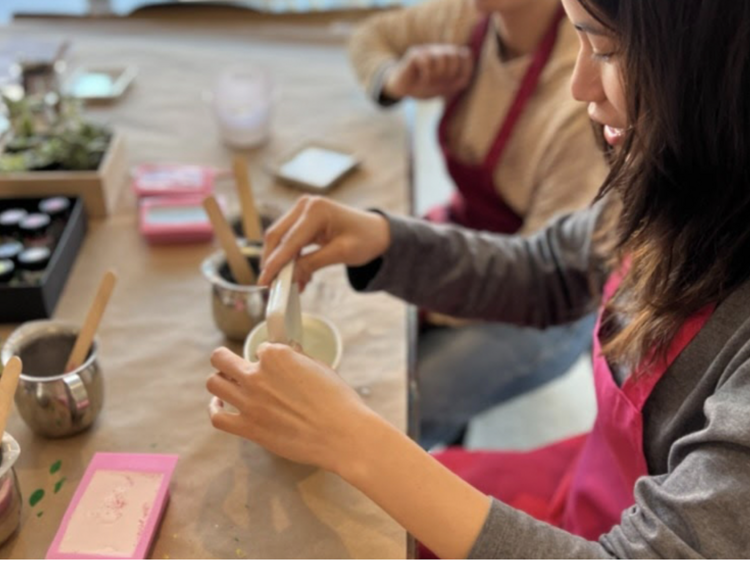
(682, 177)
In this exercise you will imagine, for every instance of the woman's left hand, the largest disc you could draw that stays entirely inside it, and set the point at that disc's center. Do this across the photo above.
(290, 404)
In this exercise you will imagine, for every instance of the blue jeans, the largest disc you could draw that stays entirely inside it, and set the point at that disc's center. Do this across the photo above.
(466, 370)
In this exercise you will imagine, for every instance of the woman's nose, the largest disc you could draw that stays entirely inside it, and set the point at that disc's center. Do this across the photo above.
(586, 84)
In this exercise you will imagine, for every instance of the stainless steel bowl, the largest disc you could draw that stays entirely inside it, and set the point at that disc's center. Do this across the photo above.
(10, 492)
(54, 403)
(237, 309)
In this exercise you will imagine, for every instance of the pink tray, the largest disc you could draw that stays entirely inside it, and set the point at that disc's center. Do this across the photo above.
(107, 514)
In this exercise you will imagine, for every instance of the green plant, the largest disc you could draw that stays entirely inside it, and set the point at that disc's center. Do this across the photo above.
(51, 134)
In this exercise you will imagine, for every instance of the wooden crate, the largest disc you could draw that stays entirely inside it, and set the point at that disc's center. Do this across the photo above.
(98, 188)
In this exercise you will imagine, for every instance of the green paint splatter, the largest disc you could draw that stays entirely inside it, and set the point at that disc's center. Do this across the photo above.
(55, 467)
(59, 484)
(236, 539)
(153, 445)
(40, 514)
(36, 497)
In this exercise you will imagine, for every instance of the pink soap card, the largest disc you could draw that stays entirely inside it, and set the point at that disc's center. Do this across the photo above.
(173, 180)
(169, 220)
(116, 509)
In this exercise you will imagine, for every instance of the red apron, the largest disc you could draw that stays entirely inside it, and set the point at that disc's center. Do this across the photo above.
(477, 204)
(581, 484)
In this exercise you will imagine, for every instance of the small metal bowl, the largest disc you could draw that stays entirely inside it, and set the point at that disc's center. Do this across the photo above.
(269, 214)
(10, 492)
(237, 309)
(52, 402)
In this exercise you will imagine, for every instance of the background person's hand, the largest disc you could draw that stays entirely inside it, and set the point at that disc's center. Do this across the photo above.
(288, 403)
(428, 71)
(343, 235)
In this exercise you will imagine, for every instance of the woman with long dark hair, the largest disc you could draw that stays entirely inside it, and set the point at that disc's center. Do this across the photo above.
(664, 472)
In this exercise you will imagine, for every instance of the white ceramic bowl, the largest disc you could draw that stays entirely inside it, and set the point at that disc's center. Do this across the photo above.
(321, 340)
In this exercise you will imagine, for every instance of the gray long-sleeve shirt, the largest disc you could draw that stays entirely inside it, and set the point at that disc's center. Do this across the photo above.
(695, 501)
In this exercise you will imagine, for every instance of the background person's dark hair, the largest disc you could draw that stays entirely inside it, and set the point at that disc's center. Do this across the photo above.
(682, 177)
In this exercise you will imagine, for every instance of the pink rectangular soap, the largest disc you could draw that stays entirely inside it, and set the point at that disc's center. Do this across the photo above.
(116, 509)
(173, 180)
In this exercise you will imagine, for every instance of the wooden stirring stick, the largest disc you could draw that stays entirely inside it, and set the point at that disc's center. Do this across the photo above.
(8, 384)
(237, 262)
(250, 219)
(91, 324)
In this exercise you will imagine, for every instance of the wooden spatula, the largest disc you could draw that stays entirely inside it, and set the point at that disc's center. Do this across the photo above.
(91, 323)
(250, 219)
(283, 312)
(8, 384)
(237, 262)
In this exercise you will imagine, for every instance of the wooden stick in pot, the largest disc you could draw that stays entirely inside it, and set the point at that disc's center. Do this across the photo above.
(8, 384)
(91, 323)
(250, 219)
(237, 262)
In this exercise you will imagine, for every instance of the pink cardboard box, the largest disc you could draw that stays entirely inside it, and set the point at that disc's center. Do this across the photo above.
(116, 509)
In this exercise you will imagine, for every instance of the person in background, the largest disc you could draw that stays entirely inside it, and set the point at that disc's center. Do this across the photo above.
(664, 471)
(519, 149)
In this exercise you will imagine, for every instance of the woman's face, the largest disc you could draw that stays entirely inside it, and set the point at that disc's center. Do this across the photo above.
(597, 79)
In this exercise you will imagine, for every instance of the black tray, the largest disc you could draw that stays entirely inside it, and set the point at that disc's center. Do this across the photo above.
(30, 302)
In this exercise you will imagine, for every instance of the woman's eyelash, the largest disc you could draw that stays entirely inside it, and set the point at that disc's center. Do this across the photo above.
(604, 57)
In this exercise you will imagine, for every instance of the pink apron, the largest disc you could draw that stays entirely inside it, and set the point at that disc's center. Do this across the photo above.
(581, 484)
(477, 204)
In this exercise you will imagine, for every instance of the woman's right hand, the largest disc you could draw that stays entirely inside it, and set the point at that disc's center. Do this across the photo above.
(342, 234)
(428, 71)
